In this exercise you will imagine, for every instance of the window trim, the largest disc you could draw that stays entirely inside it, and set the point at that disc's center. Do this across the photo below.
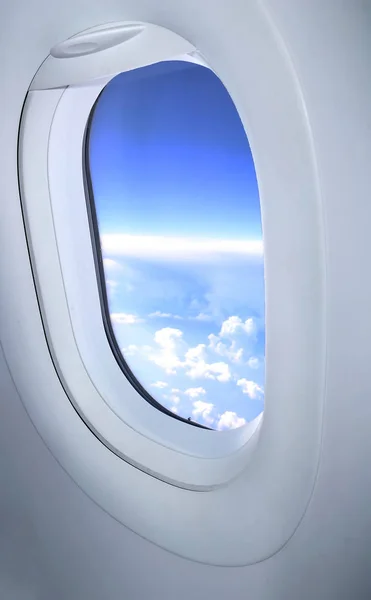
(168, 449)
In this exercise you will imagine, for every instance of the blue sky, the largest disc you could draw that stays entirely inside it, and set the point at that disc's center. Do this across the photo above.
(179, 217)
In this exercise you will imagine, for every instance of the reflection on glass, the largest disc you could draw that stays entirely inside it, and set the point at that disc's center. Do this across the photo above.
(178, 211)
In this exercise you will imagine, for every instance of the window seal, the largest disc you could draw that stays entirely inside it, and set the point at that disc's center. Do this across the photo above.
(100, 276)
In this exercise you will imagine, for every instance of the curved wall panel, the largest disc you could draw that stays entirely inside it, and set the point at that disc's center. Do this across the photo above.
(310, 90)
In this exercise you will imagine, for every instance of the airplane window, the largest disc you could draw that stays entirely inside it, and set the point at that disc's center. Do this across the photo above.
(175, 212)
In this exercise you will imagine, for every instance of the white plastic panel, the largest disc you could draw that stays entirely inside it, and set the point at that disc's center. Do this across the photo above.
(57, 543)
(254, 515)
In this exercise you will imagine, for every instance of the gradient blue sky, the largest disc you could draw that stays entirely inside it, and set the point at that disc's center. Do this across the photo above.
(178, 207)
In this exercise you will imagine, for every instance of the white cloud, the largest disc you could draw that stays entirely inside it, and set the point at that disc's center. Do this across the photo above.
(222, 285)
(163, 315)
(195, 354)
(166, 336)
(177, 248)
(159, 384)
(129, 350)
(195, 392)
(132, 349)
(111, 265)
(233, 353)
(230, 420)
(195, 361)
(219, 371)
(166, 357)
(202, 410)
(172, 354)
(175, 399)
(128, 275)
(253, 362)
(202, 317)
(125, 319)
(111, 286)
(175, 391)
(234, 325)
(170, 346)
(252, 389)
(171, 402)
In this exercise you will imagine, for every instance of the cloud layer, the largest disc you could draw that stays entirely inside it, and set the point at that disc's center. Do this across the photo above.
(177, 248)
(221, 361)
(186, 332)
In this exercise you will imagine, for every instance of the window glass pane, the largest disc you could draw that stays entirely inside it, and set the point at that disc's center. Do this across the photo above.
(178, 212)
